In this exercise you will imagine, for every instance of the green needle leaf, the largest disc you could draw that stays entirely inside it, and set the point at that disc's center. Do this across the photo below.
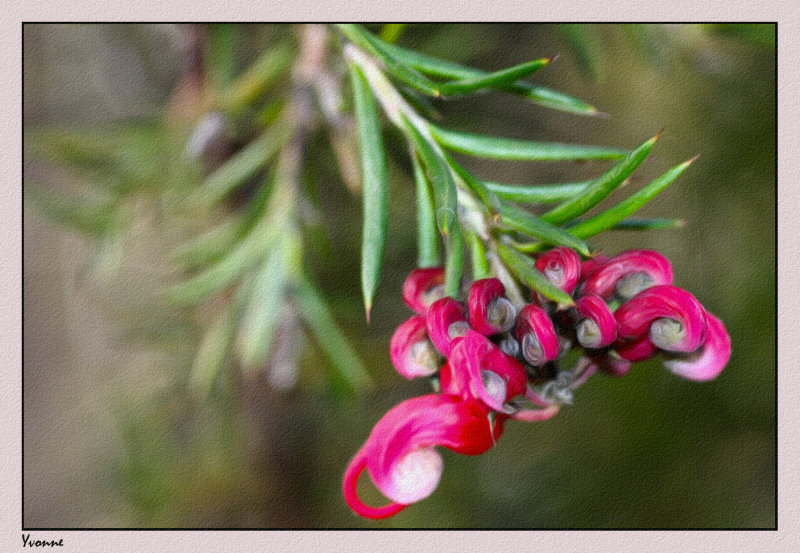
(474, 185)
(453, 262)
(212, 354)
(95, 218)
(616, 215)
(221, 239)
(553, 99)
(375, 186)
(427, 232)
(436, 67)
(526, 223)
(319, 320)
(649, 224)
(583, 44)
(400, 70)
(247, 254)
(256, 329)
(496, 79)
(525, 269)
(537, 193)
(256, 79)
(480, 265)
(221, 54)
(520, 150)
(444, 187)
(602, 187)
(245, 164)
(390, 32)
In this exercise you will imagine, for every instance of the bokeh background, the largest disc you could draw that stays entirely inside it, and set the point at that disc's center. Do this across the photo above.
(113, 437)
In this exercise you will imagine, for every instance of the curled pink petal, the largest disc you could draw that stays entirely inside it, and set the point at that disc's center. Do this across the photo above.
(536, 335)
(628, 274)
(476, 368)
(590, 266)
(561, 266)
(672, 316)
(597, 327)
(490, 312)
(412, 353)
(706, 363)
(446, 321)
(422, 287)
(638, 349)
(399, 454)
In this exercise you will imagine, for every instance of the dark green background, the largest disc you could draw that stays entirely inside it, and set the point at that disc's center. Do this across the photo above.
(111, 439)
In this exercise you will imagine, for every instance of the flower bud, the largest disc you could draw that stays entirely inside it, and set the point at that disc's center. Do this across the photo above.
(423, 287)
(561, 266)
(446, 321)
(477, 368)
(399, 454)
(536, 335)
(490, 312)
(627, 274)
(672, 316)
(597, 327)
(706, 363)
(412, 353)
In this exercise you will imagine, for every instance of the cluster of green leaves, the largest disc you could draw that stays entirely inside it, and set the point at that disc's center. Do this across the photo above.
(455, 208)
(255, 256)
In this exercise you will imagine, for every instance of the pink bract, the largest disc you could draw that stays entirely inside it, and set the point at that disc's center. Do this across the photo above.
(422, 287)
(627, 274)
(446, 321)
(412, 353)
(673, 317)
(561, 266)
(399, 454)
(478, 369)
(638, 349)
(597, 327)
(535, 328)
(708, 362)
(490, 312)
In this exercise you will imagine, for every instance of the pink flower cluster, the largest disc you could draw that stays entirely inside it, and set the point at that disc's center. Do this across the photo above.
(493, 361)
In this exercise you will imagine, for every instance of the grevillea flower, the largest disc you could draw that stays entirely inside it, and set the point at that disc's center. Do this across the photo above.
(423, 287)
(673, 318)
(561, 266)
(490, 312)
(597, 326)
(399, 454)
(627, 274)
(537, 335)
(446, 321)
(476, 368)
(412, 353)
(709, 360)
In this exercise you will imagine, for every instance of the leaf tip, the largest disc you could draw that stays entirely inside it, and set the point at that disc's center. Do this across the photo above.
(368, 310)
(562, 306)
(657, 136)
(692, 160)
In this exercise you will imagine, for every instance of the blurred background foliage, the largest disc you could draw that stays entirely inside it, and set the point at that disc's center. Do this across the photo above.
(125, 425)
